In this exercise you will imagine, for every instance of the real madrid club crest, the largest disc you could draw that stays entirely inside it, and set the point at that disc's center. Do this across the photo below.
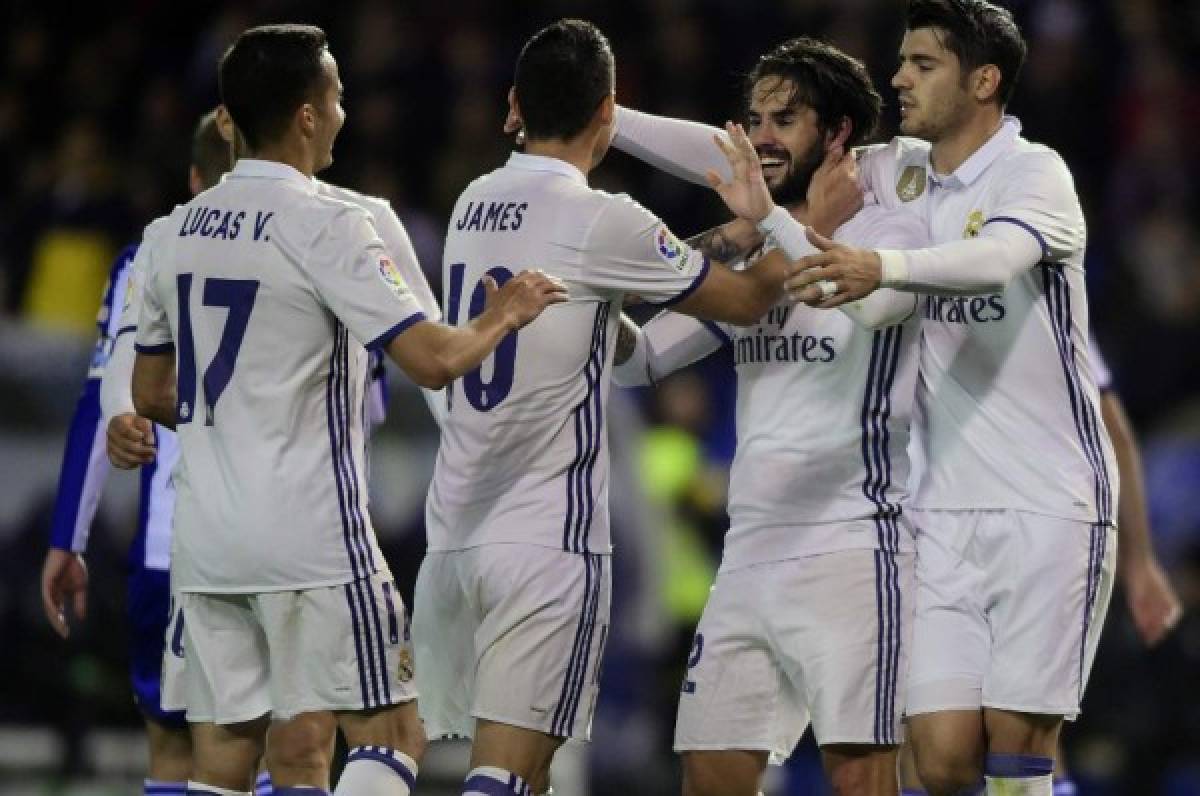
(974, 224)
(911, 183)
(404, 669)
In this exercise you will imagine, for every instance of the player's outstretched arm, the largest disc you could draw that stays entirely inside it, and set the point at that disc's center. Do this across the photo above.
(154, 387)
(677, 146)
(667, 343)
(738, 297)
(433, 354)
(1153, 603)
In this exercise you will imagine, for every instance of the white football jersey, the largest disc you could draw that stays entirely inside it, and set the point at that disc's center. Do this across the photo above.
(823, 411)
(270, 295)
(524, 453)
(1007, 405)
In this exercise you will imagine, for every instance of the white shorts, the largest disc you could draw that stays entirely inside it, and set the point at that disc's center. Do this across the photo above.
(511, 633)
(1009, 610)
(283, 653)
(170, 687)
(822, 637)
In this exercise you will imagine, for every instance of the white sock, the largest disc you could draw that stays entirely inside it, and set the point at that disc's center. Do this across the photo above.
(1020, 786)
(377, 771)
(195, 788)
(159, 787)
(492, 781)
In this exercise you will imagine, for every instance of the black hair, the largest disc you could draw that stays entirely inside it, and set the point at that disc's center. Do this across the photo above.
(267, 74)
(564, 72)
(978, 33)
(211, 154)
(825, 79)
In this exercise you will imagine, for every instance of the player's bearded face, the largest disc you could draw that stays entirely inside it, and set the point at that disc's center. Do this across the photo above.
(932, 92)
(787, 137)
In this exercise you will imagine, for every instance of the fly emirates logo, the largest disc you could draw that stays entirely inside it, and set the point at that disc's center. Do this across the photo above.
(770, 342)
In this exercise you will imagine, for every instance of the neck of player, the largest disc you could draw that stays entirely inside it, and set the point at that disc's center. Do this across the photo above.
(578, 151)
(291, 153)
(953, 149)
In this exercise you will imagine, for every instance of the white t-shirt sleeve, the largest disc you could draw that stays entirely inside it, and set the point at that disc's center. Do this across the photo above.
(1103, 376)
(894, 229)
(398, 244)
(668, 342)
(1039, 197)
(628, 250)
(679, 147)
(355, 277)
(153, 327)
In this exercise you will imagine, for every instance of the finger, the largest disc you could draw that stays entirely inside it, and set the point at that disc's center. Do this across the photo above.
(51, 608)
(714, 180)
(489, 284)
(80, 604)
(817, 239)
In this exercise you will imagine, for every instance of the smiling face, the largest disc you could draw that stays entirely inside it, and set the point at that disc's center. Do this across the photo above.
(329, 115)
(933, 91)
(787, 136)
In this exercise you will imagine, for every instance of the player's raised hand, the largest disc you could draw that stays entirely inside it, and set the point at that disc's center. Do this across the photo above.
(130, 441)
(835, 275)
(746, 194)
(524, 296)
(834, 195)
(1153, 603)
(64, 577)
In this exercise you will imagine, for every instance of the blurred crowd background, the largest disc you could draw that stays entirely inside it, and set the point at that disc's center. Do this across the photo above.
(97, 104)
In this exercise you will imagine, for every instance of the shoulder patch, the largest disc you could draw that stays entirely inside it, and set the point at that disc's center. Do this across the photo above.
(974, 224)
(672, 252)
(391, 277)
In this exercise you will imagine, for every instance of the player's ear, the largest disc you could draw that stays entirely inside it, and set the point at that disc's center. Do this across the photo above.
(513, 123)
(306, 117)
(985, 82)
(195, 181)
(607, 110)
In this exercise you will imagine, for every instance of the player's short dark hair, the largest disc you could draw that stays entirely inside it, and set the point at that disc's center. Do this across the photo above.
(823, 78)
(979, 33)
(564, 72)
(268, 73)
(211, 153)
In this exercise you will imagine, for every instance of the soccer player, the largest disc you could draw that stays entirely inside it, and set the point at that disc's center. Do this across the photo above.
(511, 606)
(818, 479)
(1017, 497)
(84, 472)
(260, 302)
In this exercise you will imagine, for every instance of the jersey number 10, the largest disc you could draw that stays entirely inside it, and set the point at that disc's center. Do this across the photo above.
(484, 396)
(238, 296)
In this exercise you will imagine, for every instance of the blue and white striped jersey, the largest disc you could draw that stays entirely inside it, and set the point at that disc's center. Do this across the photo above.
(85, 466)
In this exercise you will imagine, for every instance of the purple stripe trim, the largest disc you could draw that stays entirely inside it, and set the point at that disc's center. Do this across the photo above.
(587, 644)
(333, 425)
(364, 753)
(358, 648)
(153, 350)
(397, 330)
(690, 289)
(600, 354)
(488, 787)
(375, 676)
(346, 453)
(124, 330)
(1018, 766)
(718, 331)
(299, 790)
(1025, 226)
(560, 725)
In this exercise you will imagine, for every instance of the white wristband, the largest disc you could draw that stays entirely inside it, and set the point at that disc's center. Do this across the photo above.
(895, 269)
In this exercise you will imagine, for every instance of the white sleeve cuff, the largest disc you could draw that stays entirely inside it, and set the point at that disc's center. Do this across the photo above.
(787, 232)
(895, 269)
(635, 371)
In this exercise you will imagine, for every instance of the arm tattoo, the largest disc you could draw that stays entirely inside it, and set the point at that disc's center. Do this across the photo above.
(626, 340)
(719, 245)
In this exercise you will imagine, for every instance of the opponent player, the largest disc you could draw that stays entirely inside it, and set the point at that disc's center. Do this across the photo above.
(84, 473)
(818, 478)
(1016, 501)
(512, 599)
(264, 293)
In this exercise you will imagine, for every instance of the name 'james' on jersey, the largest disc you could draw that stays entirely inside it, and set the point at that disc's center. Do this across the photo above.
(524, 453)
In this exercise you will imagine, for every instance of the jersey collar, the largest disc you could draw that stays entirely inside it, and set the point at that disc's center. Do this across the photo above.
(272, 170)
(519, 160)
(972, 167)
